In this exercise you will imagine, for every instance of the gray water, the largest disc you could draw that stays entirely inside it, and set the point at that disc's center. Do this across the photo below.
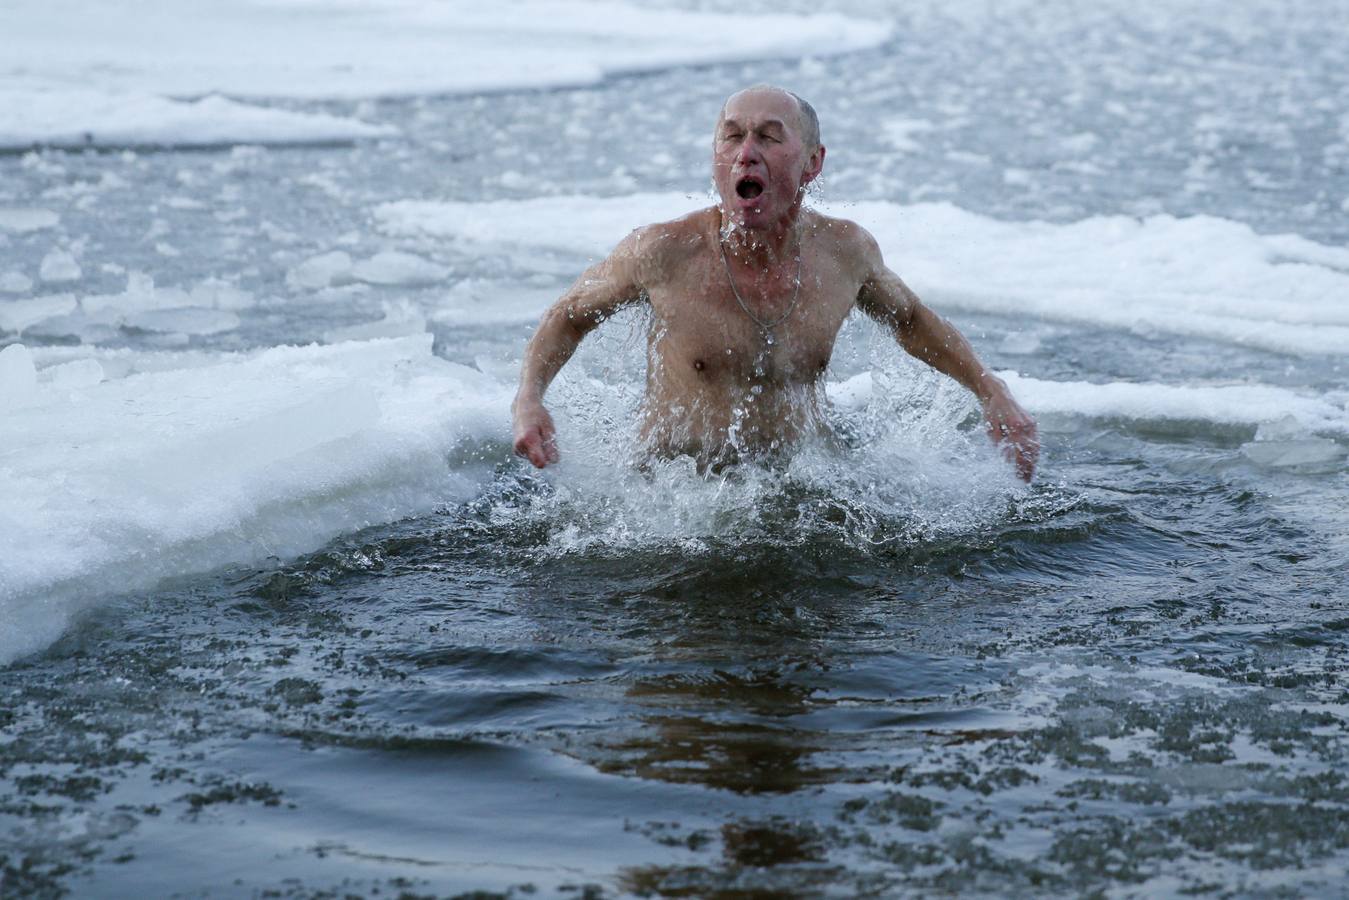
(1128, 680)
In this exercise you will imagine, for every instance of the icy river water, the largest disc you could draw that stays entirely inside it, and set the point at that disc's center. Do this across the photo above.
(282, 616)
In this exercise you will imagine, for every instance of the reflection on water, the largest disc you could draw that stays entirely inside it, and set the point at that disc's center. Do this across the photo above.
(885, 669)
(1078, 693)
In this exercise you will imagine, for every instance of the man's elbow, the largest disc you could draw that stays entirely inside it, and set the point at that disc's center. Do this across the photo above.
(564, 323)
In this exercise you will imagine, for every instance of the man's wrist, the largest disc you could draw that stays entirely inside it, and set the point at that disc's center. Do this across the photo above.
(523, 400)
(990, 387)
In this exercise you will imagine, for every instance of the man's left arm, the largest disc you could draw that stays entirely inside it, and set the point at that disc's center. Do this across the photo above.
(928, 337)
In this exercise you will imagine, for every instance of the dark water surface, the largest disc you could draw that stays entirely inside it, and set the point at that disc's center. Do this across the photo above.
(1129, 680)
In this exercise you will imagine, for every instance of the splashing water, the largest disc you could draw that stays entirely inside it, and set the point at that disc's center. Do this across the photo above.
(908, 464)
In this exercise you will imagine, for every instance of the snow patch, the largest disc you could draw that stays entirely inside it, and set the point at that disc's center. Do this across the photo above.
(59, 265)
(203, 460)
(21, 220)
(66, 117)
(1200, 277)
(393, 267)
(152, 66)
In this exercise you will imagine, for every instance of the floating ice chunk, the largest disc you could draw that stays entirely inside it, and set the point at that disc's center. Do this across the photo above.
(17, 315)
(1020, 343)
(217, 294)
(899, 133)
(393, 267)
(185, 320)
(73, 375)
(142, 295)
(400, 319)
(15, 283)
(56, 115)
(59, 265)
(18, 377)
(184, 203)
(1237, 404)
(1306, 454)
(21, 220)
(1286, 428)
(75, 326)
(482, 302)
(1081, 143)
(321, 271)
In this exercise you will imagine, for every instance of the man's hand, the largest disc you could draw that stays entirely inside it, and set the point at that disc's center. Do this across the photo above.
(1013, 429)
(535, 436)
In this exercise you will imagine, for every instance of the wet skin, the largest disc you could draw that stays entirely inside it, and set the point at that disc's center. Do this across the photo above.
(733, 377)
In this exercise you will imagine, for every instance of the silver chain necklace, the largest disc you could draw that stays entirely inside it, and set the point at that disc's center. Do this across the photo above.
(765, 328)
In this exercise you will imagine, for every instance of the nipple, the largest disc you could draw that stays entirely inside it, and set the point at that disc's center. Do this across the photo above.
(699, 365)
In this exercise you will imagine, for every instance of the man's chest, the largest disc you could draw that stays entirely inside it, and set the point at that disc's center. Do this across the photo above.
(705, 326)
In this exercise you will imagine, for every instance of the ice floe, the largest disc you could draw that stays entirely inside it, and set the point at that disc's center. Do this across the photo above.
(59, 265)
(155, 71)
(209, 307)
(70, 117)
(394, 267)
(21, 220)
(1200, 277)
(113, 483)
(1250, 405)
(15, 283)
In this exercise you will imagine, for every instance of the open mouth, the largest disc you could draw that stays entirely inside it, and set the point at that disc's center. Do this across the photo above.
(748, 188)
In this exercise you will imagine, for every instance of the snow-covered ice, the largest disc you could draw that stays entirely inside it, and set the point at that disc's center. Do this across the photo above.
(77, 117)
(394, 267)
(324, 270)
(76, 73)
(16, 315)
(58, 266)
(229, 459)
(15, 283)
(1200, 277)
(21, 220)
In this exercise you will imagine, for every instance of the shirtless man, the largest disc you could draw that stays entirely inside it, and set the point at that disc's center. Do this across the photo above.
(746, 299)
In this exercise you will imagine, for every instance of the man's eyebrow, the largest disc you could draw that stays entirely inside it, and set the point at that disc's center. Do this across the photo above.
(767, 123)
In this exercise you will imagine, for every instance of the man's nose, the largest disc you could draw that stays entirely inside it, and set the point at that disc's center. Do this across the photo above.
(748, 152)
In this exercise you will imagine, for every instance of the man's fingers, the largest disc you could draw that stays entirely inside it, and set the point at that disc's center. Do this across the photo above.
(1020, 444)
(548, 442)
(537, 446)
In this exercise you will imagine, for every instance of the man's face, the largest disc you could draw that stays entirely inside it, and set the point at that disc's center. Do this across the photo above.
(759, 163)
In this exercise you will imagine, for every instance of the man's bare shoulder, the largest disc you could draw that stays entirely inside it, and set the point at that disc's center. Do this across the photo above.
(663, 247)
(850, 243)
(681, 235)
(844, 235)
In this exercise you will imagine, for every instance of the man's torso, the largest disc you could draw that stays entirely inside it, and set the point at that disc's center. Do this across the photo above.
(731, 377)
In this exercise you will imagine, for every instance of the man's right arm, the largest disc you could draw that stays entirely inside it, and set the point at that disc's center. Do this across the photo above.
(601, 290)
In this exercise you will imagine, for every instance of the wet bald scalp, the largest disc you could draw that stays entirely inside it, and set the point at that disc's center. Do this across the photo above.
(808, 120)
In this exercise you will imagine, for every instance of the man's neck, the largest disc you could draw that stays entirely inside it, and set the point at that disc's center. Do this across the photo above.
(763, 247)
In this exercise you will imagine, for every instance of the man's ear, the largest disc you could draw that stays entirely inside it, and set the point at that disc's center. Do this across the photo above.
(814, 165)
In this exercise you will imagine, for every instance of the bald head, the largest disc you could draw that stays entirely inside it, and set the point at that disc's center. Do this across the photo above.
(808, 123)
